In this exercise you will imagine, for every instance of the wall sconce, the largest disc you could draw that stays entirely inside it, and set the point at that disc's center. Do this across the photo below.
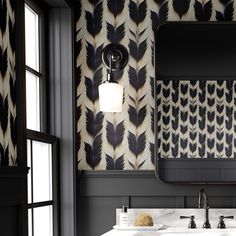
(115, 58)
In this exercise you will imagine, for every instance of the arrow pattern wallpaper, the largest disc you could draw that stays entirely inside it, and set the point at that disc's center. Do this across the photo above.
(7, 84)
(125, 141)
(196, 119)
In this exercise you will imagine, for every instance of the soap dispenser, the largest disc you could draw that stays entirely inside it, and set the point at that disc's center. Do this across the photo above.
(124, 216)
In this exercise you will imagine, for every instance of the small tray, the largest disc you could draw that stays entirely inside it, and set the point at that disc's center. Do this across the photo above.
(139, 228)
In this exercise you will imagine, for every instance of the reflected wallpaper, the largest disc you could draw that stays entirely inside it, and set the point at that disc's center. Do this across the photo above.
(196, 119)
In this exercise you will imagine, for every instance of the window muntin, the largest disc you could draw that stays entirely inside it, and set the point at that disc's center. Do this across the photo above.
(29, 177)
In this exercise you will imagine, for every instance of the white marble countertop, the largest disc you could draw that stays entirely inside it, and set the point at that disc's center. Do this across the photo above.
(170, 218)
(173, 232)
(174, 226)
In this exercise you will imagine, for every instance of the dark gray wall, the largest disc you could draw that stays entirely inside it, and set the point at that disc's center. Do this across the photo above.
(101, 192)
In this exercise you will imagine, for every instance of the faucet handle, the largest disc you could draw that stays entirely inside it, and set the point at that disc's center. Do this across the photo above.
(192, 224)
(221, 224)
(226, 217)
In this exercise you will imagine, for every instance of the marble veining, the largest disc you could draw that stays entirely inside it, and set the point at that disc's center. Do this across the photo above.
(194, 232)
(170, 218)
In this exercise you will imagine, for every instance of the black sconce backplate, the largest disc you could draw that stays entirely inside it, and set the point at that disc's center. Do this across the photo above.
(115, 57)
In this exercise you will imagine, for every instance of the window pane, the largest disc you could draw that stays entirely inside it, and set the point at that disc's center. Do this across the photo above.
(30, 222)
(31, 38)
(32, 102)
(29, 174)
(43, 221)
(42, 171)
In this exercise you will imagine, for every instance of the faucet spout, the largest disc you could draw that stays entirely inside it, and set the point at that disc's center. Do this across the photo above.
(203, 203)
(202, 199)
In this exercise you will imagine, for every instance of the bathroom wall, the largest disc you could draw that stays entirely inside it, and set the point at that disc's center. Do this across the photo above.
(7, 84)
(125, 141)
(98, 197)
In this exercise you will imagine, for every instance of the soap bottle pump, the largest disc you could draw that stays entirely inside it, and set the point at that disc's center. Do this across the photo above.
(124, 216)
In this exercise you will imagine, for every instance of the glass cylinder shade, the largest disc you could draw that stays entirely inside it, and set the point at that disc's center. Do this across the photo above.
(110, 97)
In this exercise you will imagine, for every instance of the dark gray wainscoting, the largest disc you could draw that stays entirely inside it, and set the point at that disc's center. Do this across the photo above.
(99, 193)
(13, 211)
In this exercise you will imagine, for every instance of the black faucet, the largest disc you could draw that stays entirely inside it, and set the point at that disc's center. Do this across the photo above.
(221, 224)
(192, 224)
(203, 203)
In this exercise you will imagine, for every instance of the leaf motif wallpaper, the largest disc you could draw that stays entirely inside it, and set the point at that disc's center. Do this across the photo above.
(7, 84)
(125, 141)
(197, 119)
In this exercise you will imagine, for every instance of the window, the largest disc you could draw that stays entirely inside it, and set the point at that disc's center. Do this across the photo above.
(41, 146)
(32, 68)
(41, 192)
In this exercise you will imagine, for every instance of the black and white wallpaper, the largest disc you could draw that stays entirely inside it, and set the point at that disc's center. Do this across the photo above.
(126, 140)
(196, 119)
(7, 84)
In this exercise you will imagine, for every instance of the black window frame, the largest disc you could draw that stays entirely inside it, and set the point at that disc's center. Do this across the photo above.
(41, 9)
(43, 135)
(49, 139)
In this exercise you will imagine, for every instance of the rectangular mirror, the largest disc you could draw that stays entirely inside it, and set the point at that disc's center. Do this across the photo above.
(195, 110)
